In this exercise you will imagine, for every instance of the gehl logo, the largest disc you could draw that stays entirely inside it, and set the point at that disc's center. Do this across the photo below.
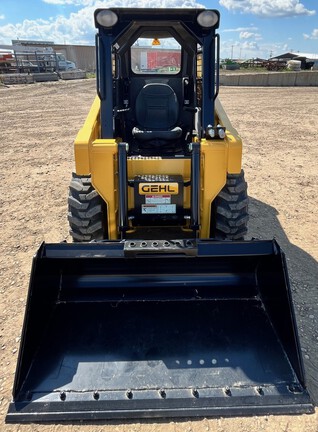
(158, 188)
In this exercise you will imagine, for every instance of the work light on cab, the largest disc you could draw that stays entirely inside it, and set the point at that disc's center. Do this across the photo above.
(106, 18)
(208, 19)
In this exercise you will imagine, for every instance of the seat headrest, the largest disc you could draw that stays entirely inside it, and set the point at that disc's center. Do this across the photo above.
(157, 107)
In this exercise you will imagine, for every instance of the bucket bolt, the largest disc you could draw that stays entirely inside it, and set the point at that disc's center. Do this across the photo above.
(129, 394)
(195, 393)
(260, 391)
(227, 391)
(96, 395)
(295, 388)
(162, 393)
(63, 396)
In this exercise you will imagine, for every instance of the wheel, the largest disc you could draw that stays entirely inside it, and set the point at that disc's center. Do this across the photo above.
(87, 212)
(229, 215)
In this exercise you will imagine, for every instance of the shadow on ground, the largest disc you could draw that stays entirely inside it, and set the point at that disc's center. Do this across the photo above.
(303, 274)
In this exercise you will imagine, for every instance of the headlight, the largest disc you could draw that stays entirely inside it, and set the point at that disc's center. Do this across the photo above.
(106, 18)
(207, 18)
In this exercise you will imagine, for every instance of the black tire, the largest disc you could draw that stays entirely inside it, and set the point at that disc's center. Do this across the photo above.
(87, 212)
(230, 210)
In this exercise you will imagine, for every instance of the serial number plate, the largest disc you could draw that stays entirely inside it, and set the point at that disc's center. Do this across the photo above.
(158, 199)
(158, 209)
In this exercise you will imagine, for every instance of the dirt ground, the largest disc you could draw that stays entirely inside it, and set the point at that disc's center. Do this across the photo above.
(279, 126)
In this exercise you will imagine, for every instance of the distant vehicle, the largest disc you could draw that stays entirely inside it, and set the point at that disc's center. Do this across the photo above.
(55, 62)
(64, 64)
(315, 65)
(7, 60)
(6, 56)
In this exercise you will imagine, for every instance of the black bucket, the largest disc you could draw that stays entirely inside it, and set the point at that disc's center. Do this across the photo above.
(126, 330)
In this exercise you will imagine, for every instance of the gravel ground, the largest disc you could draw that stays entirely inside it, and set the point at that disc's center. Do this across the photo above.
(279, 127)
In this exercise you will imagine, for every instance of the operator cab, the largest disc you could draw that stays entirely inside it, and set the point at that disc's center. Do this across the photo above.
(156, 62)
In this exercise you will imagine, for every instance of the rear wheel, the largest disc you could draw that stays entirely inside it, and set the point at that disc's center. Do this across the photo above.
(230, 210)
(87, 212)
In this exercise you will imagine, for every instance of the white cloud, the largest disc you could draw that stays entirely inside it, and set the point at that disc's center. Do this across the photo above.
(249, 35)
(246, 49)
(243, 50)
(70, 2)
(245, 32)
(58, 2)
(250, 46)
(129, 3)
(240, 29)
(2, 17)
(78, 27)
(313, 35)
(268, 8)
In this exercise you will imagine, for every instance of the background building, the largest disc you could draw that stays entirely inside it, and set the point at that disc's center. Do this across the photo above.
(82, 55)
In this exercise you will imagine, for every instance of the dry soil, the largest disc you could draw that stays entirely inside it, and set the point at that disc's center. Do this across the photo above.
(279, 127)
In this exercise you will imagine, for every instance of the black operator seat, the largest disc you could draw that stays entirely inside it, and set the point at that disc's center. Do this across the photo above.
(157, 112)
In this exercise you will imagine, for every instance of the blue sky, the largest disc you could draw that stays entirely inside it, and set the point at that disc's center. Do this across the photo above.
(249, 28)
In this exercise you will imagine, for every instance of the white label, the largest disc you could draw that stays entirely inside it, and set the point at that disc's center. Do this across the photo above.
(158, 209)
(158, 199)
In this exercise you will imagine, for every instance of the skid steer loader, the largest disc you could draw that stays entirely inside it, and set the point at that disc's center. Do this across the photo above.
(159, 307)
